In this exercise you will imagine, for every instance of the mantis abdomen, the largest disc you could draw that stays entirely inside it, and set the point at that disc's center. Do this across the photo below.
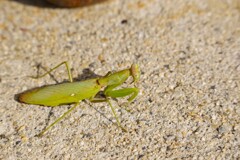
(65, 93)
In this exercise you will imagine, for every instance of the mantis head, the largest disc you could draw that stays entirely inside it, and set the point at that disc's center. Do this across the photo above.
(135, 72)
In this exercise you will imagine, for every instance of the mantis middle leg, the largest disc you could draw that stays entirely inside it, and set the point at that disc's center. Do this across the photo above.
(109, 92)
(107, 99)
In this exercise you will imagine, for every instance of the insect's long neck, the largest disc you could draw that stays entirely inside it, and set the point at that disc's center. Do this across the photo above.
(115, 78)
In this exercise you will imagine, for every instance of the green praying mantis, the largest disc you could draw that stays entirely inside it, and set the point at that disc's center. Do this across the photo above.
(74, 92)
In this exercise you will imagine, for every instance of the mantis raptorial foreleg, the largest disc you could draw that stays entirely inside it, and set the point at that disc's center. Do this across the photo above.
(109, 92)
(122, 93)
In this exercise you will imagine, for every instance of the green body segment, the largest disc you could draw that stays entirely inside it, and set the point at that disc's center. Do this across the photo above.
(65, 93)
(115, 78)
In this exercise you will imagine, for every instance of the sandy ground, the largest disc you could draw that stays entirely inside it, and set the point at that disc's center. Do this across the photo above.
(189, 101)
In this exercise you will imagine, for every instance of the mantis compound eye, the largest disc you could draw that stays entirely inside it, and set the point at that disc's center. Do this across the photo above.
(135, 72)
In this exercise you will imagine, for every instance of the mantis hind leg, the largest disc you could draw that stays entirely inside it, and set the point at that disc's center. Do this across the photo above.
(67, 67)
(57, 120)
